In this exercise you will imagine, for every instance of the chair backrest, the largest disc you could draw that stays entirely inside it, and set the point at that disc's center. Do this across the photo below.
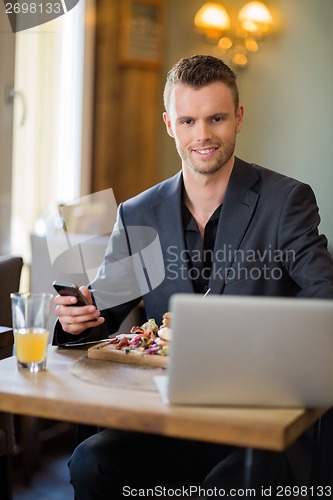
(10, 275)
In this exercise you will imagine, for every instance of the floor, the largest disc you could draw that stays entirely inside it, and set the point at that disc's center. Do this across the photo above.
(50, 479)
(49, 483)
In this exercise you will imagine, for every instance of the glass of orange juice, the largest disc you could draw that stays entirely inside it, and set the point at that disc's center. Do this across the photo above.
(31, 312)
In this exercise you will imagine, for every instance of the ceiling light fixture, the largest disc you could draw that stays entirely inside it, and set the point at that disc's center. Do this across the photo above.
(254, 22)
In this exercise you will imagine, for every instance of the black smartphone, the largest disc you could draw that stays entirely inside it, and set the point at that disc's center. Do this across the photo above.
(66, 288)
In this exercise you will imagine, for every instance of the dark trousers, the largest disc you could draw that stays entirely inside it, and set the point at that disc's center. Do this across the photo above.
(114, 465)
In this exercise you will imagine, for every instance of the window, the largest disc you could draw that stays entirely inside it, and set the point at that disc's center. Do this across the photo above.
(50, 158)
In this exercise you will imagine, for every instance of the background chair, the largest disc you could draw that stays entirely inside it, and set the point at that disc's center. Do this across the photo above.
(10, 275)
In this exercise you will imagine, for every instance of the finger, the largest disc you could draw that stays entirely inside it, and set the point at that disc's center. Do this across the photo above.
(65, 300)
(77, 311)
(83, 317)
(77, 328)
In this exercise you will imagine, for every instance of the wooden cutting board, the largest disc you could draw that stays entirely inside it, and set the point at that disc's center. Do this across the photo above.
(109, 353)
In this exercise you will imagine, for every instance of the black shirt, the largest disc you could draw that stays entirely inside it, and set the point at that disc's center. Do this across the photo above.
(200, 252)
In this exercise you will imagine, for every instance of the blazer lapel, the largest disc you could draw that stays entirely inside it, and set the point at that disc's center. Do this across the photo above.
(236, 213)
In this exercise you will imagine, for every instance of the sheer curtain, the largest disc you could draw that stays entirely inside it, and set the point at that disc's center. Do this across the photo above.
(51, 119)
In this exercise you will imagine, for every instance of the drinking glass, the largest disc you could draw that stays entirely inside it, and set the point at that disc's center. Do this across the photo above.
(31, 313)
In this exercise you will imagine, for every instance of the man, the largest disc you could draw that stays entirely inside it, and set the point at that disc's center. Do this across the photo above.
(224, 225)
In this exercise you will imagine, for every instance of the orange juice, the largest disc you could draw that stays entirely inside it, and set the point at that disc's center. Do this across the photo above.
(30, 344)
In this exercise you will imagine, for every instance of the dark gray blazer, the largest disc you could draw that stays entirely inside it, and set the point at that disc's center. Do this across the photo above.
(267, 243)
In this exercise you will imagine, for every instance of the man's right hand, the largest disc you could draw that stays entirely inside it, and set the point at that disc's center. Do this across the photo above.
(75, 319)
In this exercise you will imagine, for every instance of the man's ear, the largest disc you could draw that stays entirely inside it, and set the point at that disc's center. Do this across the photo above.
(168, 124)
(239, 118)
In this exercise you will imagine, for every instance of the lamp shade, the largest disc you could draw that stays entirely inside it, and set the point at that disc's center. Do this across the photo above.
(212, 19)
(255, 18)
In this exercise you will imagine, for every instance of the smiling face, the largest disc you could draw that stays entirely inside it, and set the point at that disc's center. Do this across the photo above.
(204, 123)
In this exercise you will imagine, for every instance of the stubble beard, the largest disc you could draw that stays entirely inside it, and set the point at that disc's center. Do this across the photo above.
(200, 168)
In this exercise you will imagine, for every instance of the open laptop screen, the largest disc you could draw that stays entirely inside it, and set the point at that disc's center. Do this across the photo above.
(253, 351)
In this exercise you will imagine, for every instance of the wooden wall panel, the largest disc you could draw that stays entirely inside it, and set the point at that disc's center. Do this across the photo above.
(127, 103)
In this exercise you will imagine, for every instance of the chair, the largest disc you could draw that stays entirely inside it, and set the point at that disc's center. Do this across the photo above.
(10, 273)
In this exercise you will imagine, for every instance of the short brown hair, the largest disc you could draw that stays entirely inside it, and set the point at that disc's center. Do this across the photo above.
(198, 71)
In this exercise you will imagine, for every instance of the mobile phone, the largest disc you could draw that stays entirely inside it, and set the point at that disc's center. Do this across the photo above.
(66, 288)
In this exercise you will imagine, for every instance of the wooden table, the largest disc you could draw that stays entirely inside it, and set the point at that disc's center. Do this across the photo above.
(59, 395)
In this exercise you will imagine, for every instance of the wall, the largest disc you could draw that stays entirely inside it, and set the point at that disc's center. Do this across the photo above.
(286, 92)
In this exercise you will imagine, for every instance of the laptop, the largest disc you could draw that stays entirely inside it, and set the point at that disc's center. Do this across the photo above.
(250, 351)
